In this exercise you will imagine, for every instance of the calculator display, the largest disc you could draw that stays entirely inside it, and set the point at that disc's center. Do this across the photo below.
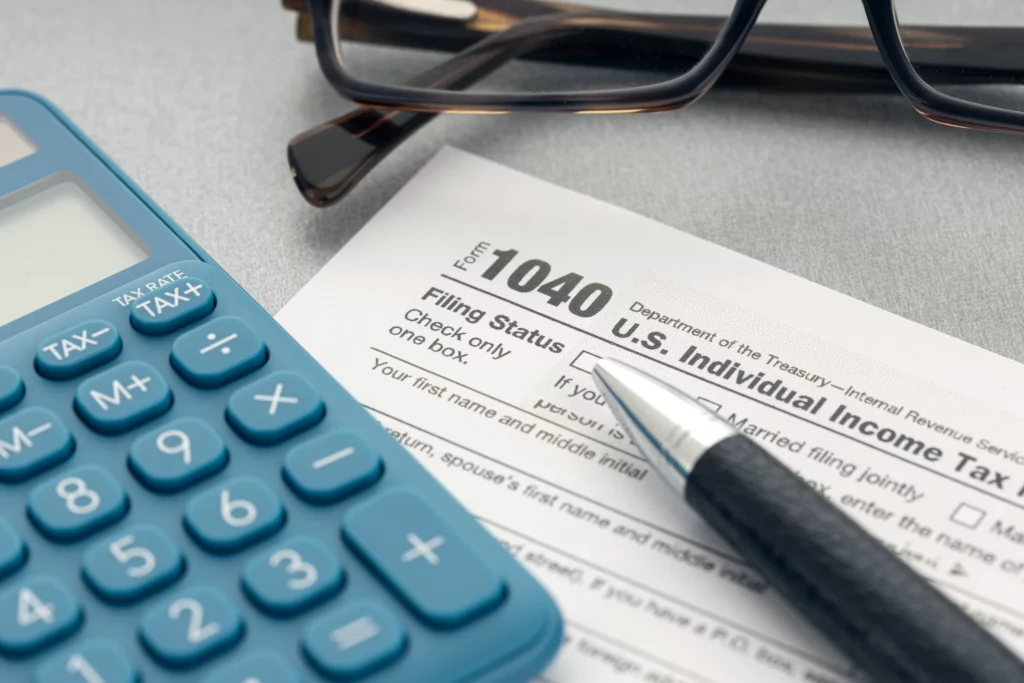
(56, 239)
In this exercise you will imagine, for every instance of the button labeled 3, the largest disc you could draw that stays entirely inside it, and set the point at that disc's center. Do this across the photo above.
(294, 576)
(75, 351)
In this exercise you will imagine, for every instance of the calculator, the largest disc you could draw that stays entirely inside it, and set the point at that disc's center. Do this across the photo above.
(185, 494)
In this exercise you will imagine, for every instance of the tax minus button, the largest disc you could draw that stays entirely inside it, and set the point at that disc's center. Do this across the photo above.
(78, 350)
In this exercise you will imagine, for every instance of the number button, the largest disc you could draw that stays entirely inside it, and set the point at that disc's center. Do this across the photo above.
(234, 515)
(132, 565)
(258, 667)
(354, 640)
(123, 398)
(274, 408)
(77, 503)
(12, 389)
(177, 455)
(192, 627)
(218, 353)
(76, 351)
(423, 559)
(293, 576)
(12, 549)
(331, 467)
(31, 441)
(35, 614)
(97, 661)
(173, 306)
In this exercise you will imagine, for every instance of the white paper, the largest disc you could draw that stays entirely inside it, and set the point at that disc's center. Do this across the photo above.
(514, 427)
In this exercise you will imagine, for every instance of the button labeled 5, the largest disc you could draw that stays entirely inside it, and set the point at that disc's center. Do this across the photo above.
(77, 503)
(177, 455)
(132, 565)
(234, 515)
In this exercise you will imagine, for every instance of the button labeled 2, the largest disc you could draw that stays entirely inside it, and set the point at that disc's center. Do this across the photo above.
(234, 515)
(191, 627)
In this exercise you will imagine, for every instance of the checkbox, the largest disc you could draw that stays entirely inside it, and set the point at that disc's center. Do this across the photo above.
(585, 361)
(968, 516)
(709, 404)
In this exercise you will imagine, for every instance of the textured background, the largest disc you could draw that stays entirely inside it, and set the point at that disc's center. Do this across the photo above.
(197, 99)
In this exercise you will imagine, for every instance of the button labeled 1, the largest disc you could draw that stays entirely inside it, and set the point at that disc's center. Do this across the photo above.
(98, 661)
(423, 558)
(177, 455)
(234, 515)
(31, 441)
(218, 353)
(35, 614)
(77, 503)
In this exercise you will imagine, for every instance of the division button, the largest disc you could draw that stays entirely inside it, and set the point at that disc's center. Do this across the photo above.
(354, 641)
(422, 558)
(12, 389)
(218, 353)
(78, 350)
(173, 306)
(31, 441)
(123, 397)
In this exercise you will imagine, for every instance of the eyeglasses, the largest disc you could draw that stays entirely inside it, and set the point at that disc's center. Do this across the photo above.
(539, 56)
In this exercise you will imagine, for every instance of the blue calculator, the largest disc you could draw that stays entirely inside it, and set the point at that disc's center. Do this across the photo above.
(185, 494)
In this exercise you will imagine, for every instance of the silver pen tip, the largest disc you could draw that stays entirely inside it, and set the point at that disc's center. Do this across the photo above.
(670, 429)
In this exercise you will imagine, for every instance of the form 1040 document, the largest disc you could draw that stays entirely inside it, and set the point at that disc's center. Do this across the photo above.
(467, 315)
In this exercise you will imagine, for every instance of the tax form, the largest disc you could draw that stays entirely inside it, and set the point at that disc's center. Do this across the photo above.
(466, 317)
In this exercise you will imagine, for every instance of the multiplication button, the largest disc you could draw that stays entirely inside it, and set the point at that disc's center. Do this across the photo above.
(274, 408)
(78, 350)
(331, 467)
(422, 558)
(218, 353)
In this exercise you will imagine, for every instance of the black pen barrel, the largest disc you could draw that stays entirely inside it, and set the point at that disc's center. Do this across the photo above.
(887, 618)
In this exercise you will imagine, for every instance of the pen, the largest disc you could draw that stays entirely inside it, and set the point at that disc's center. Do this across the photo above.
(888, 619)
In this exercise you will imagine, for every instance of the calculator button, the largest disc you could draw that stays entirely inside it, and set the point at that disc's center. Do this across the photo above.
(12, 549)
(354, 640)
(331, 467)
(123, 397)
(97, 661)
(191, 627)
(173, 306)
(36, 613)
(257, 667)
(219, 352)
(132, 564)
(12, 389)
(234, 515)
(294, 576)
(422, 558)
(177, 455)
(274, 408)
(78, 350)
(77, 503)
(31, 441)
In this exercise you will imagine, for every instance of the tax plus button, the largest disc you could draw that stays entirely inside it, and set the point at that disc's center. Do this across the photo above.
(422, 558)
(218, 352)
(173, 306)
(123, 397)
(274, 408)
(78, 350)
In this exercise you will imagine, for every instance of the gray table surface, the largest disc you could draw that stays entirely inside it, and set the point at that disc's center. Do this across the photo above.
(196, 100)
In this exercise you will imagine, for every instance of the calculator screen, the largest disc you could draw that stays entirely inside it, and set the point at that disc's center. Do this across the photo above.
(55, 239)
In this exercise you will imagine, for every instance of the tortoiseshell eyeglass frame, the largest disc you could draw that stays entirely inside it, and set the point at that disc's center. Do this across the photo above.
(329, 160)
